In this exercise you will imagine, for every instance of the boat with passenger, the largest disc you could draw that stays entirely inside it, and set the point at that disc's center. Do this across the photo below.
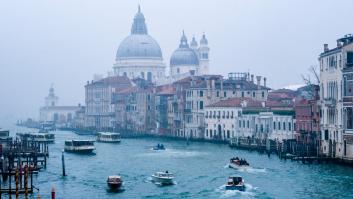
(108, 137)
(79, 146)
(163, 178)
(114, 182)
(158, 147)
(237, 163)
(235, 183)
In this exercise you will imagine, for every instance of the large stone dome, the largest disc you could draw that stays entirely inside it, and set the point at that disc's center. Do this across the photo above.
(139, 44)
(184, 55)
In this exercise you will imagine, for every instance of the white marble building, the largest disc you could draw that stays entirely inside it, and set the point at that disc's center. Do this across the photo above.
(139, 55)
(51, 112)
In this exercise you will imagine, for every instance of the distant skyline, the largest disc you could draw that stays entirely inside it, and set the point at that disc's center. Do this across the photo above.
(67, 42)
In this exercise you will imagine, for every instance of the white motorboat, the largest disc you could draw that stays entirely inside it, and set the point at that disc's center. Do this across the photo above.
(108, 137)
(163, 178)
(79, 146)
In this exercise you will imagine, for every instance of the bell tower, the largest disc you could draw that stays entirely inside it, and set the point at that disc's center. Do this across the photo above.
(51, 99)
(204, 52)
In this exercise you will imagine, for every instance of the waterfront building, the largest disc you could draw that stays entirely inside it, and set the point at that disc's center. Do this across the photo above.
(208, 89)
(135, 107)
(247, 118)
(164, 117)
(61, 116)
(335, 96)
(307, 115)
(139, 55)
(98, 97)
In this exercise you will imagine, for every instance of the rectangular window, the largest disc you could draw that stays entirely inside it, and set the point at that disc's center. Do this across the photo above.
(326, 134)
(225, 94)
(279, 125)
(274, 125)
(217, 93)
(284, 126)
(349, 117)
(201, 93)
(248, 124)
(289, 126)
(201, 105)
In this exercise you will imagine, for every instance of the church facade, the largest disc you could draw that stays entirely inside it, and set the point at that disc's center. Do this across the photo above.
(140, 56)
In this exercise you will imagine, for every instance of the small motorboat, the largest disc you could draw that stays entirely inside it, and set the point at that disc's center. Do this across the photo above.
(159, 147)
(237, 163)
(163, 178)
(114, 182)
(235, 183)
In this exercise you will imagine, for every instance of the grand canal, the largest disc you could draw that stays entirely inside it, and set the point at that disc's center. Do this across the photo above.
(200, 170)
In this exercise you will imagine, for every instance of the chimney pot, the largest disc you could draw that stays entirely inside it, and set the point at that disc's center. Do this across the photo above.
(326, 47)
(265, 81)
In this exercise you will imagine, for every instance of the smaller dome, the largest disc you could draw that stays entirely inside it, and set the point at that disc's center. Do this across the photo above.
(184, 55)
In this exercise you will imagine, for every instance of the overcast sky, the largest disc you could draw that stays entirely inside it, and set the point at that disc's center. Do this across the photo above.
(66, 42)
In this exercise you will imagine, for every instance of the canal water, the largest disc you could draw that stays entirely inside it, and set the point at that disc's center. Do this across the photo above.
(200, 170)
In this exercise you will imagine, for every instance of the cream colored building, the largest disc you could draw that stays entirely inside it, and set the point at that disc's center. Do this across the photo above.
(336, 99)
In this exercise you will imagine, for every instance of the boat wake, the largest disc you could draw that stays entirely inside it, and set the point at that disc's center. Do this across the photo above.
(173, 153)
(249, 169)
(248, 193)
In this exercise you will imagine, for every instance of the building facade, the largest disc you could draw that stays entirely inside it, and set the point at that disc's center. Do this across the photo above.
(335, 65)
(98, 98)
(61, 116)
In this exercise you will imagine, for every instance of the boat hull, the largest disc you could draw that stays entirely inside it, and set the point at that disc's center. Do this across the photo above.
(235, 187)
(80, 151)
(163, 181)
(114, 186)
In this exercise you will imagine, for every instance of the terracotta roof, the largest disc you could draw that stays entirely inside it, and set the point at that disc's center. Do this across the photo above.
(118, 82)
(166, 90)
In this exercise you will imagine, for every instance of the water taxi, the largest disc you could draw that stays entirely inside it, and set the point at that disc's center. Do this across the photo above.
(108, 137)
(235, 183)
(37, 137)
(237, 163)
(163, 178)
(114, 182)
(159, 147)
(79, 146)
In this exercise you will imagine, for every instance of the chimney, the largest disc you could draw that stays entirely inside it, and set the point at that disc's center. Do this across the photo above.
(339, 44)
(252, 78)
(326, 47)
(265, 81)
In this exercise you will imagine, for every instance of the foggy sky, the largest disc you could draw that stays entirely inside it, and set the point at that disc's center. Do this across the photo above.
(66, 42)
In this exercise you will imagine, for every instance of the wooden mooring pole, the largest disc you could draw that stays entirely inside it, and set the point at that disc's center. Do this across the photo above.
(63, 163)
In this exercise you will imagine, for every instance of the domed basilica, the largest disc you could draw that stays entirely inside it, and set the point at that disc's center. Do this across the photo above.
(140, 56)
